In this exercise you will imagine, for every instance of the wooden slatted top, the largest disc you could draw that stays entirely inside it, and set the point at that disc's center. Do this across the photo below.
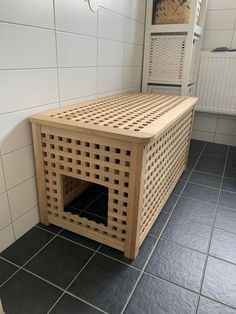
(138, 116)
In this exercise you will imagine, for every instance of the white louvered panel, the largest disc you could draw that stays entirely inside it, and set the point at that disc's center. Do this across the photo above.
(167, 57)
(216, 86)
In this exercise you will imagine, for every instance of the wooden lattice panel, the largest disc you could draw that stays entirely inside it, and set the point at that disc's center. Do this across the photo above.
(164, 163)
(89, 161)
(133, 144)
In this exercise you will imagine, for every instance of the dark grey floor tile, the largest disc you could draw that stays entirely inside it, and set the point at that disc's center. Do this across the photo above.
(220, 161)
(195, 211)
(60, 261)
(231, 163)
(196, 145)
(230, 173)
(179, 188)
(229, 185)
(205, 179)
(25, 293)
(187, 233)
(51, 228)
(155, 296)
(6, 271)
(223, 245)
(159, 224)
(80, 239)
(201, 193)
(100, 206)
(85, 198)
(26, 246)
(219, 282)
(185, 175)
(192, 159)
(177, 264)
(169, 205)
(226, 219)
(207, 306)
(140, 260)
(71, 305)
(216, 149)
(105, 283)
(228, 199)
(209, 168)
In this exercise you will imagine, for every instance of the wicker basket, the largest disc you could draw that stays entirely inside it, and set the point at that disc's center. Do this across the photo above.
(171, 11)
(166, 59)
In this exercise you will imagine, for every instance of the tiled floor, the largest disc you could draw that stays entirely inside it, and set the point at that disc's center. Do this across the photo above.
(187, 263)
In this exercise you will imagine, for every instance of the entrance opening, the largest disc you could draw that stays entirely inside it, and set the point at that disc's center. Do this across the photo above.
(86, 199)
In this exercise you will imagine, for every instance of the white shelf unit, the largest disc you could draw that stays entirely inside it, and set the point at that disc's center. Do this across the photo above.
(171, 57)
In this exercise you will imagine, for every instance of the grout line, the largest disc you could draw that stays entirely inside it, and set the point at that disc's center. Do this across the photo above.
(204, 185)
(221, 259)
(8, 202)
(56, 52)
(73, 280)
(211, 235)
(195, 199)
(155, 245)
(204, 172)
(21, 267)
(36, 226)
(77, 243)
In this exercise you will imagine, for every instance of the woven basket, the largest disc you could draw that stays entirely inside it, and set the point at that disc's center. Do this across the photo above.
(171, 11)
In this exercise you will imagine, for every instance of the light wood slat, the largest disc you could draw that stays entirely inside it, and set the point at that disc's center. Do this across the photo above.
(139, 164)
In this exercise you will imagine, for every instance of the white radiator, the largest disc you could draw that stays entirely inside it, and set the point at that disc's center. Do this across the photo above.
(216, 85)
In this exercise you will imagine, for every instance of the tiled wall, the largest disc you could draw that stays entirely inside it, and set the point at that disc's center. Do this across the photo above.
(220, 30)
(55, 53)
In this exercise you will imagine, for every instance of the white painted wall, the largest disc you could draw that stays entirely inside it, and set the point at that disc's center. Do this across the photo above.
(55, 53)
(220, 30)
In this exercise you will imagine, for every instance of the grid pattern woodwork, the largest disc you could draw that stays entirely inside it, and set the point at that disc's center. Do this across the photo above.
(132, 111)
(139, 165)
(164, 163)
(88, 161)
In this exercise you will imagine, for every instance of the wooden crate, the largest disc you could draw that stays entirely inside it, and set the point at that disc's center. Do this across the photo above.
(134, 144)
(174, 11)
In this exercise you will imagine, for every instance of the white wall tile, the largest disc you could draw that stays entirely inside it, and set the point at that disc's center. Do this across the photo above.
(22, 89)
(110, 53)
(77, 100)
(216, 38)
(205, 122)
(226, 126)
(18, 166)
(133, 54)
(26, 222)
(110, 25)
(22, 198)
(15, 128)
(203, 136)
(77, 82)
(2, 181)
(225, 139)
(31, 12)
(134, 32)
(26, 47)
(220, 19)
(6, 237)
(132, 89)
(136, 9)
(4, 211)
(233, 44)
(76, 50)
(109, 79)
(132, 76)
(75, 16)
(114, 5)
(220, 5)
(107, 94)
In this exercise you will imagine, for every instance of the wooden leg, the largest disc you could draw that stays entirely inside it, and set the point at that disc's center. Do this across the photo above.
(132, 253)
(38, 155)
